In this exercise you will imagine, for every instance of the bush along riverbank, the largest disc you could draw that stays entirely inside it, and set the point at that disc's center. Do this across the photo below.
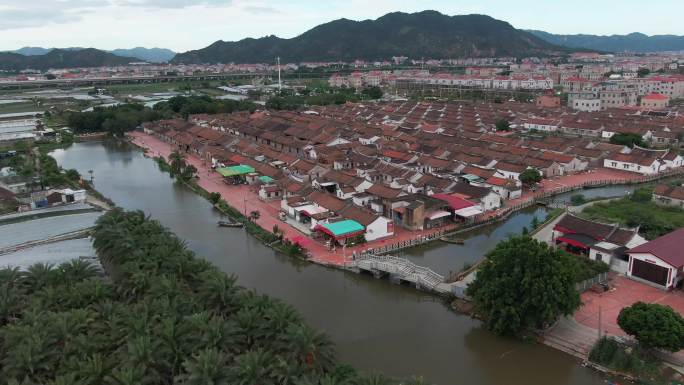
(273, 239)
(163, 317)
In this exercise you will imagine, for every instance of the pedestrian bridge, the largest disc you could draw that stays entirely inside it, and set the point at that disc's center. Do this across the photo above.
(401, 270)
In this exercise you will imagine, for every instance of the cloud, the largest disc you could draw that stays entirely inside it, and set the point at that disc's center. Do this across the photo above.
(35, 13)
(16, 14)
(259, 10)
(21, 18)
(171, 3)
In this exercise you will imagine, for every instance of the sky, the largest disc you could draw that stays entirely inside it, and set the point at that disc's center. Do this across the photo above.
(183, 25)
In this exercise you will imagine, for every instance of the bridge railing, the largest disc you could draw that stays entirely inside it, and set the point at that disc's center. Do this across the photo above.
(393, 264)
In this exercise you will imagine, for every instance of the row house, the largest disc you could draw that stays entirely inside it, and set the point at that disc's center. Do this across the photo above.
(590, 129)
(639, 160)
(508, 170)
(668, 195)
(505, 188)
(541, 124)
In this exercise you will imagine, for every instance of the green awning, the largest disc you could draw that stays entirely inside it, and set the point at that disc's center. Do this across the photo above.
(235, 170)
(266, 179)
(471, 177)
(347, 227)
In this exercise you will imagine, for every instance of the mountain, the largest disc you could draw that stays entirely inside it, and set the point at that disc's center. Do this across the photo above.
(634, 42)
(428, 34)
(31, 51)
(153, 55)
(59, 58)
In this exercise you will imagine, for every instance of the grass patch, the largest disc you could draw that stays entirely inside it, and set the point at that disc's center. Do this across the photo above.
(653, 220)
(636, 361)
(121, 89)
(585, 268)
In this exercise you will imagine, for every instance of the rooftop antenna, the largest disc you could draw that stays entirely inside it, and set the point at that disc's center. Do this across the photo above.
(280, 86)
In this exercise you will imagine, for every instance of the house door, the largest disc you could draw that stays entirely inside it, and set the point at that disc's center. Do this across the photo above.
(649, 271)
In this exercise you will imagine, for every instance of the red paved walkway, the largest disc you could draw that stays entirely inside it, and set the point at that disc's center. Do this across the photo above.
(624, 292)
(565, 181)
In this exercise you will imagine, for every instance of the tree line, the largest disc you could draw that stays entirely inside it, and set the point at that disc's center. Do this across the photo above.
(322, 97)
(126, 117)
(162, 316)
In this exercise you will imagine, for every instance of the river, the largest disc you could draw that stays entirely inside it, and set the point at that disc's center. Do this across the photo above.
(376, 325)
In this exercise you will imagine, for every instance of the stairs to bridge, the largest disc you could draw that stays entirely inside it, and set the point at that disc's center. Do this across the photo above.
(403, 270)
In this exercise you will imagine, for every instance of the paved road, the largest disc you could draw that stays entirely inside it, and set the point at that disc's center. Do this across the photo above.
(545, 233)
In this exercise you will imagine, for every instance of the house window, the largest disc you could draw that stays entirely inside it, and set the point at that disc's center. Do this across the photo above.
(599, 257)
(614, 164)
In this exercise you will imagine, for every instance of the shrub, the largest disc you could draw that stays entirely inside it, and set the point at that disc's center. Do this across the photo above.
(577, 199)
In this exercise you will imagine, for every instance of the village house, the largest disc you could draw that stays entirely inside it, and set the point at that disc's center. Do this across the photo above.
(418, 211)
(487, 198)
(547, 101)
(659, 262)
(569, 164)
(508, 170)
(639, 160)
(270, 192)
(506, 188)
(601, 242)
(541, 124)
(669, 195)
(375, 226)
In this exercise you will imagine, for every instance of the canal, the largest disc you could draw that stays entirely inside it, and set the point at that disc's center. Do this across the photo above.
(376, 325)
(445, 258)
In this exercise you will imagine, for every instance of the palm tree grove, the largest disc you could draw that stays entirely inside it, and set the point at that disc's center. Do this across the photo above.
(159, 316)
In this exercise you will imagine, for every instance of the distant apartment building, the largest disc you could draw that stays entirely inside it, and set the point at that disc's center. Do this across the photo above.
(449, 82)
(576, 84)
(586, 104)
(617, 98)
(359, 79)
(672, 86)
(615, 94)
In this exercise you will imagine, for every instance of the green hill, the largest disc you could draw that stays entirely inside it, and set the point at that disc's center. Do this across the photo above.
(427, 34)
(633, 42)
(59, 58)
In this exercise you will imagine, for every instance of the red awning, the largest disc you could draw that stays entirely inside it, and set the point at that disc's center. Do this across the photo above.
(572, 242)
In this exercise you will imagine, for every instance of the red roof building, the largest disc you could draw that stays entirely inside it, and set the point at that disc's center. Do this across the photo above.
(660, 261)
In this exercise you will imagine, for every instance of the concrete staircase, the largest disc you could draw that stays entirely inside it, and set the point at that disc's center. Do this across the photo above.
(571, 337)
